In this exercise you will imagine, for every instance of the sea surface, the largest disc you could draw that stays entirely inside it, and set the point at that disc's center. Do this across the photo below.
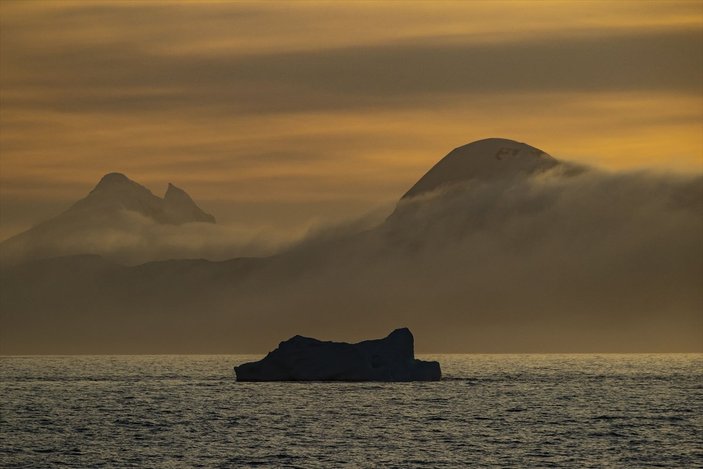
(488, 411)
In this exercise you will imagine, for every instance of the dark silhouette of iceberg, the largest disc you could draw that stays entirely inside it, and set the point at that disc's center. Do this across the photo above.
(305, 359)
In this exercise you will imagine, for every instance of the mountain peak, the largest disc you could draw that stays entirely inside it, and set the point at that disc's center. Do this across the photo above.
(115, 191)
(182, 208)
(487, 159)
(113, 179)
(114, 176)
(117, 186)
(175, 192)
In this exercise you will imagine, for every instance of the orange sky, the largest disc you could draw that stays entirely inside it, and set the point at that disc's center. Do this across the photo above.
(284, 114)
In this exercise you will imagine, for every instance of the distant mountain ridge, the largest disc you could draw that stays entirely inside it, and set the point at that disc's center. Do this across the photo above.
(115, 191)
(116, 203)
(498, 248)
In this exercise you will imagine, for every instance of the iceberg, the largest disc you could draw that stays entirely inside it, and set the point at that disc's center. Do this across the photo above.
(305, 359)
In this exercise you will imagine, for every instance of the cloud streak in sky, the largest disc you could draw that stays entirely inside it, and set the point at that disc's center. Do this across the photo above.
(115, 78)
(335, 108)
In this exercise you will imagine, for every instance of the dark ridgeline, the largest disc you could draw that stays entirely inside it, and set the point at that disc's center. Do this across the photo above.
(304, 359)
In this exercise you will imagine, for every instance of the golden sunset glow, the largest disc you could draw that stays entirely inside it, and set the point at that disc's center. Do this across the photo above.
(283, 114)
(351, 233)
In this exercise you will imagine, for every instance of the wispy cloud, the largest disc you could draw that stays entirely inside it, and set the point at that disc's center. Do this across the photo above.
(306, 103)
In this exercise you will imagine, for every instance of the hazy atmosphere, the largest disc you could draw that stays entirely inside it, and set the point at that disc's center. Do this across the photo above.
(280, 116)
(323, 234)
(192, 178)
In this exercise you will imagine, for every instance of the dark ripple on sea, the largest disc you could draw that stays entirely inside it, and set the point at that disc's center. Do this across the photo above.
(488, 411)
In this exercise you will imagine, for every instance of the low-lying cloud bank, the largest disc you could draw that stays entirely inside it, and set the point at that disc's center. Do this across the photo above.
(581, 262)
(130, 238)
(520, 264)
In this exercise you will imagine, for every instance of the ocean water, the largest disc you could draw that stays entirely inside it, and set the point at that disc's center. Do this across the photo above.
(488, 411)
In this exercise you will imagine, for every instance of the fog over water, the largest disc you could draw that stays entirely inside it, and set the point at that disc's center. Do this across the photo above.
(567, 260)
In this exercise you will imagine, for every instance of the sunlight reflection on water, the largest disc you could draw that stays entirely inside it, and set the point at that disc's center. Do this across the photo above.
(489, 410)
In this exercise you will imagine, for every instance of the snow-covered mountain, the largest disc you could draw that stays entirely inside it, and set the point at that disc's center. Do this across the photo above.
(483, 160)
(520, 253)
